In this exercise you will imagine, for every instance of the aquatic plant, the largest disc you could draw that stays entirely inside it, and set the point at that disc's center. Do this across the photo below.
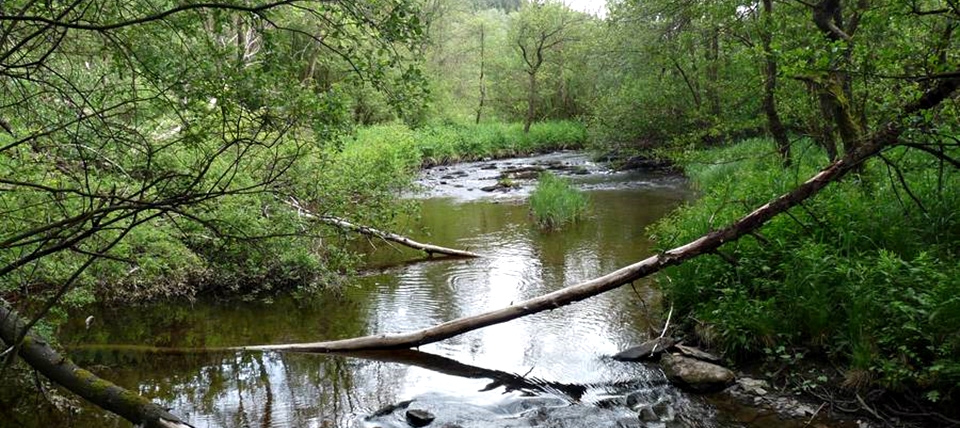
(555, 202)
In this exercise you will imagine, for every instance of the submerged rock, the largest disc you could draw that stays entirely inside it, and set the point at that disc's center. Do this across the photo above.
(646, 351)
(648, 415)
(696, 375)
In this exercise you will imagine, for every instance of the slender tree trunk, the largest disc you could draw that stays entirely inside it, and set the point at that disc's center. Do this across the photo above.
(483, 88)
(694, 93)
(531, 101)
(777, 129)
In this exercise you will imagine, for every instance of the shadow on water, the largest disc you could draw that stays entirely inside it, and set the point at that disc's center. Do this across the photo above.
(549, 368)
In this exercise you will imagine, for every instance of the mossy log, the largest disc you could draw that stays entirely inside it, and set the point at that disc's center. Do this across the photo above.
(43, 358)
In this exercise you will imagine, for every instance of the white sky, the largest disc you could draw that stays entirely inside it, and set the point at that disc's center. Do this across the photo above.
(596, 7)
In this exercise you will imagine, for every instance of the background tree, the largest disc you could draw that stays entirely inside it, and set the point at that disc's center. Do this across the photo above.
(539, 30)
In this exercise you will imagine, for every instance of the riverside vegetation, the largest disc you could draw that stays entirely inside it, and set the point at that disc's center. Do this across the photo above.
(854, 275)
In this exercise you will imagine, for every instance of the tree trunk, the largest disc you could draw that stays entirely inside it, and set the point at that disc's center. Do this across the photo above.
(45, 360)
(531, 101)
(777, 129)
(822, 127)
(483, 88)
(835, 88)
(430, 249)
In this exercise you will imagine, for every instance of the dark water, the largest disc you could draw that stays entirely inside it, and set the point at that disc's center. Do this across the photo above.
(548, 369)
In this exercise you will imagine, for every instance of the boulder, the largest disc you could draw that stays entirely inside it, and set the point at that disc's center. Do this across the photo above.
(695, 375)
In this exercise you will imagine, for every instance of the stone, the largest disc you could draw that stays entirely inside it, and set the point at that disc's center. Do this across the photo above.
(636, 399)
(753, 386)
(696, 375)
(645, 351)
(419, 418)
(648, 415)
(697, 353)
(664, 411)
(629, 422)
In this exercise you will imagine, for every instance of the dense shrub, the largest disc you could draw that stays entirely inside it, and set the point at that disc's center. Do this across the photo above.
(865, 273)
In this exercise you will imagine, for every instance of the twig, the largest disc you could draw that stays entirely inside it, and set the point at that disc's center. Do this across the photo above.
(815, 414)
(863, 404)
(667, 324)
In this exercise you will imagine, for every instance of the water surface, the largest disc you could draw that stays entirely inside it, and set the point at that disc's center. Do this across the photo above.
(495, 376)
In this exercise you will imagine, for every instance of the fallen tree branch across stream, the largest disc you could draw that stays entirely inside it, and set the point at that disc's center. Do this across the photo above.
(430, 249)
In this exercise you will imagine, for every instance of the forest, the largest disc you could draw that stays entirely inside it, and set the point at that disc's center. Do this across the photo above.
(166, 151)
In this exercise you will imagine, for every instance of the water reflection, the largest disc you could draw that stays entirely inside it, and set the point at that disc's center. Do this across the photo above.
(560, 351)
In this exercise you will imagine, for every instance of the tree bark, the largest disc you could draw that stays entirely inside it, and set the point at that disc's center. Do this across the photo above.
(531, 101)
(776, 127)
(835, 88)
(430, 249)
(483, 88)
(59, 369)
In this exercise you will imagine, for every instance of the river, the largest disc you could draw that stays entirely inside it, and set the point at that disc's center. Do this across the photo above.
(549, 369)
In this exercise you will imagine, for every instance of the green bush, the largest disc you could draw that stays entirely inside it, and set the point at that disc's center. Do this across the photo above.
(555, 202)
(861, 273)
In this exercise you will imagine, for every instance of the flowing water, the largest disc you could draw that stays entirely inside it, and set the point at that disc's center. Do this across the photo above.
(549, 369)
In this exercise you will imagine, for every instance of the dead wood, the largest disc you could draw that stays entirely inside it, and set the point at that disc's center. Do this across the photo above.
(430, 249)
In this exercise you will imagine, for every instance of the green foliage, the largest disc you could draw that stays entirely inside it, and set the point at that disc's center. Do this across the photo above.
(860, 273)
(556, 203)
(169, 147)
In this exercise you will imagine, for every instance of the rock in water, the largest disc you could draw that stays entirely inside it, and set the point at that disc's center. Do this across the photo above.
(647, 350)
(419, 418)
(696, 375)
(697, 353)
(648, 415)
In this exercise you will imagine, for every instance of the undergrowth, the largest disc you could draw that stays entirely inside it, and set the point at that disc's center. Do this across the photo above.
(864, 274)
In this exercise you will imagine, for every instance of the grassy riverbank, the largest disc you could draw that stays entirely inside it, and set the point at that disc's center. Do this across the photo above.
(866, 274)
(450, 143)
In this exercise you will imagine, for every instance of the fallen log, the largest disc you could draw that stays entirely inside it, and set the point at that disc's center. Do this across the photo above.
(430, 249)
(43, 358)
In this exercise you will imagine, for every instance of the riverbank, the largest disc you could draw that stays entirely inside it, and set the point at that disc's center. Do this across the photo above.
(853, 278)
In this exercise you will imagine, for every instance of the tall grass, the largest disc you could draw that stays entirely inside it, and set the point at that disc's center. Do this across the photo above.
(446, 143)
(555, 202)
(861, 273)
